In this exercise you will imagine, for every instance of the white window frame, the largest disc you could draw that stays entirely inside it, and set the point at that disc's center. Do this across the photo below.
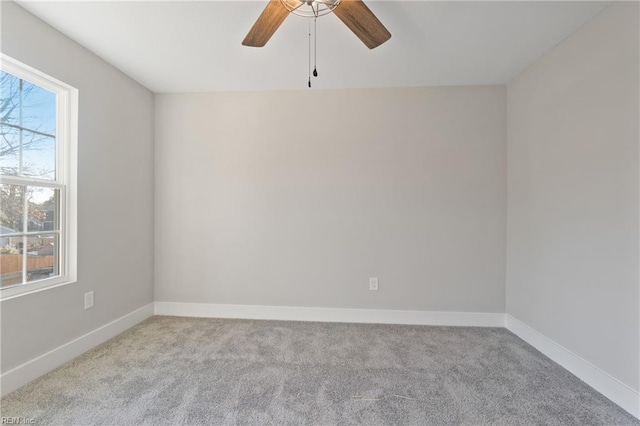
(66, 175)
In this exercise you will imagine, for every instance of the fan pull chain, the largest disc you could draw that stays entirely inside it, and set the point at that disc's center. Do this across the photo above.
(309, 54)
(315, 46)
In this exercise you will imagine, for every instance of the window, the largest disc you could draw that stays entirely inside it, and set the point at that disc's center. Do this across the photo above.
(38, 138)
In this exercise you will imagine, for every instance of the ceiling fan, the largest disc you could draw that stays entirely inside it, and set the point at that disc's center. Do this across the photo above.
(354, 13)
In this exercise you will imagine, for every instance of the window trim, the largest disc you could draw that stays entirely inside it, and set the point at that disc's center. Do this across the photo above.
(66, 175)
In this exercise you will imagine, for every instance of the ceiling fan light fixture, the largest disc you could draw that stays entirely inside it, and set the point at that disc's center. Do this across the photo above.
(310, 8)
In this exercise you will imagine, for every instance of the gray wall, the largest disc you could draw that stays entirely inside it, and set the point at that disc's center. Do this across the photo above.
(295, 198)
(572, 268)
(115, 180)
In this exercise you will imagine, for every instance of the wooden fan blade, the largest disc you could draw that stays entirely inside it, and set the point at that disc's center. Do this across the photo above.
(268, 22)
(364, 24)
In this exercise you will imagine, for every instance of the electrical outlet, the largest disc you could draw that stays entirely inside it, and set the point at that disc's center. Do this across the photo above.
(88, 300)
(373, 283)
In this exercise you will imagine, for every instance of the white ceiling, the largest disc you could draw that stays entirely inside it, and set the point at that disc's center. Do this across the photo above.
(185, 46)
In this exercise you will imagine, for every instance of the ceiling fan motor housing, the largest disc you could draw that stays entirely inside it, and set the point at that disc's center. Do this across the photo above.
(310, 8)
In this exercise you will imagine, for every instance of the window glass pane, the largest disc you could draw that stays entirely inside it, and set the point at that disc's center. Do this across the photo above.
(43, 209)
(38, 155)
(10, 266)
(42, 257)
(11, 210)
(38, 109)
(9, 98)
(9, 150)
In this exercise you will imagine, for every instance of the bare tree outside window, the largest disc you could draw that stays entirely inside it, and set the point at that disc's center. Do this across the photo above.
(27, 129)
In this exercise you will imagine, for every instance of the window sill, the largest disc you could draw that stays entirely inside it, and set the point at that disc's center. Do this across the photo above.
(34, 287)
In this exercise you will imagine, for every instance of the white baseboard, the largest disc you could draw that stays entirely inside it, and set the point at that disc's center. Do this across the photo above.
(30, 370)
(612, 388)
(292, 313)
(616, 391)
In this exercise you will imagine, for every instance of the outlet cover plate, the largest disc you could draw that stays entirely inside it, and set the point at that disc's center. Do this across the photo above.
(88, 300)
(373, 284)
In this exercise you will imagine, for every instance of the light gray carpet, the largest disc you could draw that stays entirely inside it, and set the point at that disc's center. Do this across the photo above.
(171, 371)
